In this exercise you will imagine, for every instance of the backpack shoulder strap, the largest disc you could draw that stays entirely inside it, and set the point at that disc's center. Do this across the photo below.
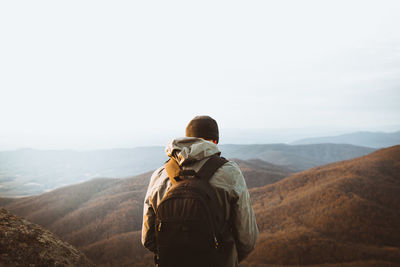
(172, 168)
(211, 166)
(206, 171)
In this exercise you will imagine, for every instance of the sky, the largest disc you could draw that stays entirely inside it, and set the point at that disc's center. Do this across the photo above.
(102, 74)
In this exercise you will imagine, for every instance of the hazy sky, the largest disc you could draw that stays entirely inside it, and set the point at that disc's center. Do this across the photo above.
(115, 73)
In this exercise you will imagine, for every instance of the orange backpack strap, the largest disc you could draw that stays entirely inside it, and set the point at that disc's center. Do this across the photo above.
(174, 171)
(172, 168)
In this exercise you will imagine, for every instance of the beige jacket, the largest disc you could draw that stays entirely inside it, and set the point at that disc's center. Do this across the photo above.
(231, 190)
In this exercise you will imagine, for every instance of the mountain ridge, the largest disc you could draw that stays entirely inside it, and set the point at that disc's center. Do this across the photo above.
(297, 157)
(338, 213)
(362, 138)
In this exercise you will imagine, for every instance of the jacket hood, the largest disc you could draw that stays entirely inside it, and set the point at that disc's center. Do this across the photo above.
(189, 149)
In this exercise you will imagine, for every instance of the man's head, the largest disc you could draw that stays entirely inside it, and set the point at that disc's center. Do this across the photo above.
(203, 127)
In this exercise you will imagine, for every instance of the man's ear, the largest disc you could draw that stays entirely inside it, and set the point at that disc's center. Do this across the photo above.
(215, 142)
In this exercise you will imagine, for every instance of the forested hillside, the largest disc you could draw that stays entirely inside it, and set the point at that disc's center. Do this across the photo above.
(103, 216)
(344, 214)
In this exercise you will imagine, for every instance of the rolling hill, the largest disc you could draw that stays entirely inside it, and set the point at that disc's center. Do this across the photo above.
(92, 216)
(259, 173)
(343, 214)
(103, 217)
(366, 139)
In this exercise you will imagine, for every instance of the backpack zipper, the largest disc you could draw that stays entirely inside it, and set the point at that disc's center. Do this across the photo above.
(216, 242)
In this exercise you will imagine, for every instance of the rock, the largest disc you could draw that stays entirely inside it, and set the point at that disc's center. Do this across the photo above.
(23, 243)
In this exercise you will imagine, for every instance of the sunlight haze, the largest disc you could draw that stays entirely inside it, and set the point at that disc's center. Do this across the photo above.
(103, 74)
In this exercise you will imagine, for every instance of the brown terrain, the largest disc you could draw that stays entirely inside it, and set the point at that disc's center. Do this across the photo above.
(92, 216)
(258, 173)
(103, 217)
(341, 214)
(26, 244)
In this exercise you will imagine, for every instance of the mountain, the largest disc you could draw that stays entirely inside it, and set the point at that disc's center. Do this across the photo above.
(103, 217)
(26, 244)
(297, 157)
(92, 215)
(32, 172)
(367, 139)
(341, 214)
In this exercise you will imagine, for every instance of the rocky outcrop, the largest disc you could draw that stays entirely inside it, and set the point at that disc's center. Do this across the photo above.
(23, 243)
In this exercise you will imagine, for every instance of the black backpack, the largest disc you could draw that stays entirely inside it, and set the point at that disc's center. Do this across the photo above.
(190, 221)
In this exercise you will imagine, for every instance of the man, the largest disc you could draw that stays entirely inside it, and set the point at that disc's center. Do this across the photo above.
(192, 152)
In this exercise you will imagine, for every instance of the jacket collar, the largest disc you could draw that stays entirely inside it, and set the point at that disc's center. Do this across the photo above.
(189, 149)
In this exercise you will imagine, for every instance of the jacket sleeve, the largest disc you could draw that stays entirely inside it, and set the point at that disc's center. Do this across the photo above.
(148, 227)
(244, 226)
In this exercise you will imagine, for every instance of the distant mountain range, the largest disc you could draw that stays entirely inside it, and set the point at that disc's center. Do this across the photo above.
(32, 172)
(345, 213)
(297, 157)
(366, 139)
